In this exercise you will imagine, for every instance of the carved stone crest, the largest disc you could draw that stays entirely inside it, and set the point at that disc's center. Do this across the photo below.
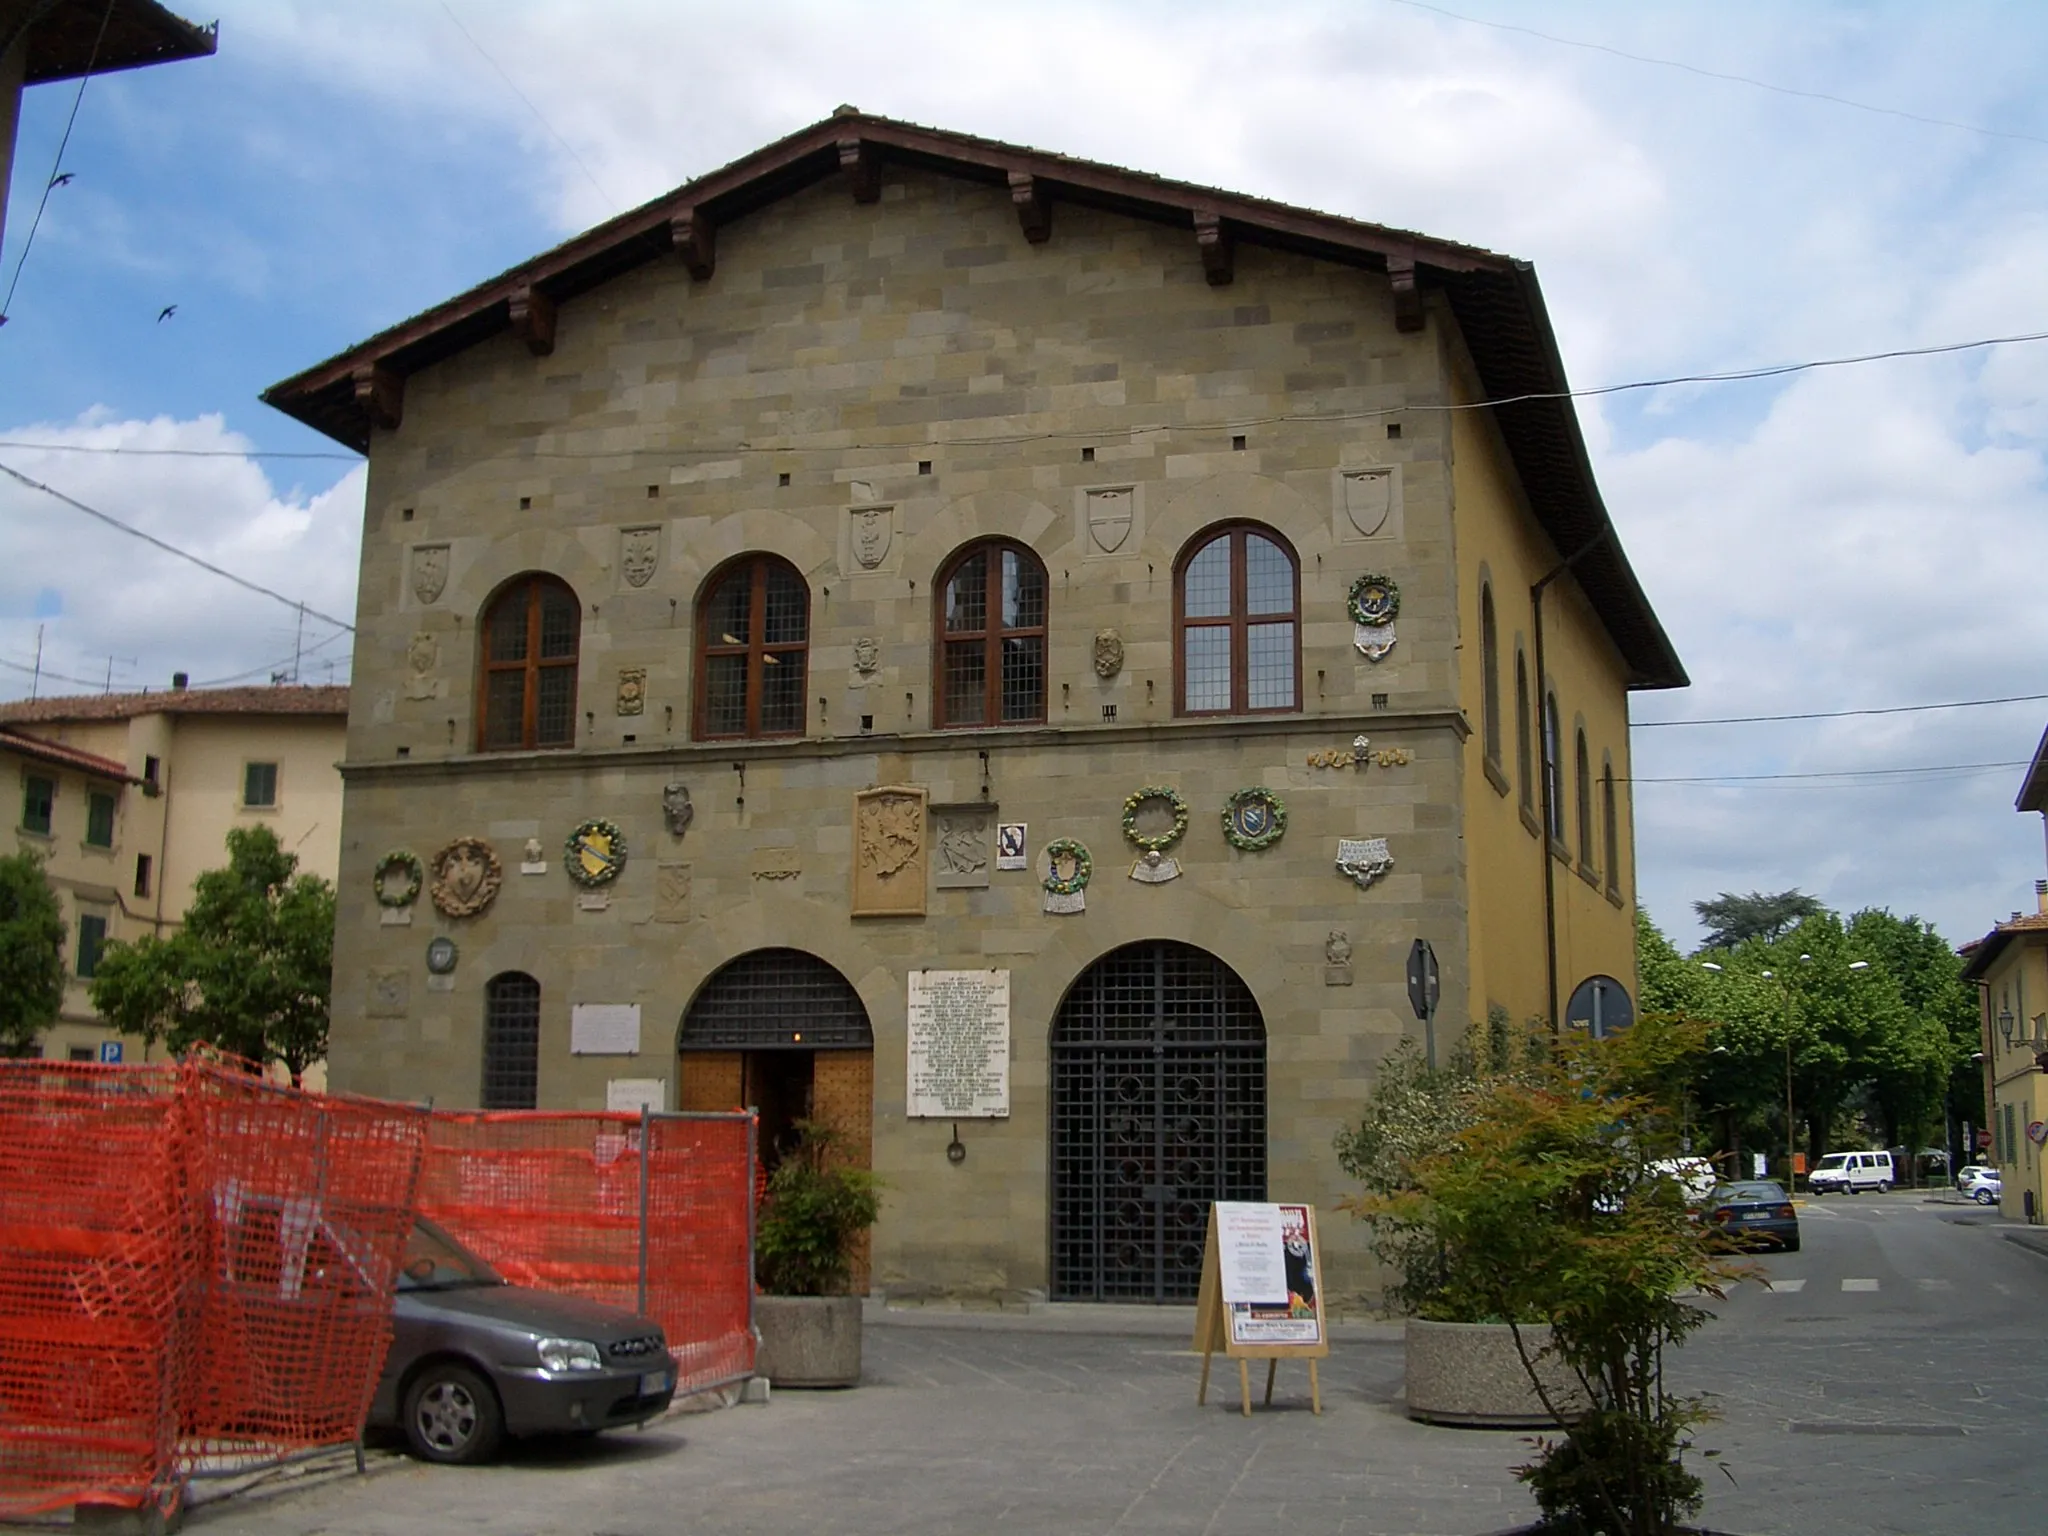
(1369, 499)
(466, 877)
(422, 656)
(1363, 860)
(960, 845)
(672, 893)
(429, 572)
(873, 528)
(632, 690)
(389, 995)
(889, 852)
(1109, 517)
(1109, 653)
(676, 809)
(1337, 959)
(639, 553)
(867, 655)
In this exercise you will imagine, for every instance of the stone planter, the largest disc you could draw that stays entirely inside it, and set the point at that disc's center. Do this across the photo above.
(1470, 1373)
(808, 1341)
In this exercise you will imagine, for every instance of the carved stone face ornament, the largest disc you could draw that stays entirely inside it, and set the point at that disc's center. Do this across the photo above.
(1109, 653)
(676, 809)
(639, 551)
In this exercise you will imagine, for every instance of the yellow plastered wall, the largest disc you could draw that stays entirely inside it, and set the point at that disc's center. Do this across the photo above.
(1501, 546)
(2018, 980)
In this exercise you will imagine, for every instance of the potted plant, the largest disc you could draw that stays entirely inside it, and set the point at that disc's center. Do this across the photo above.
(1546, 1204)
(815, 1210)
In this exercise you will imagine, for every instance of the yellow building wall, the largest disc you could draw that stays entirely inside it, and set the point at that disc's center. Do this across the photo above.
(1500, 546)
(2018, 981)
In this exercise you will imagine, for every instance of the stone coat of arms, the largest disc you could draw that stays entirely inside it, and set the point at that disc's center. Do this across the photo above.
(873, 528)
(639, 551)
(466, 877)
(1109, 518)
(429, 572)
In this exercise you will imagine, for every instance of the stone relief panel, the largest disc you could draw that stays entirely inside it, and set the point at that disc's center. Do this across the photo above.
(429, 573)
(1367, 503)
(632, 690)
(639, 555)
(422, 660)
(870, 536)
(672, 893)
(390, 995)
(1109, 519)
(961, 845)
(889, 852)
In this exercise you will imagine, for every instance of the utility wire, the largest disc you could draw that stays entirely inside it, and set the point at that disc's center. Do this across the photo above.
(566, 145)
(177, 453)
(7, 304)
(172, 549)
(1838, 773)
(1843, 714)
(1716, 74)
(46, 672)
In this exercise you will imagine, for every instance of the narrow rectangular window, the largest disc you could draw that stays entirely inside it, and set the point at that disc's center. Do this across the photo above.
(80, 1053)
(38, 804)
(144, 866)
(99, 819)
(259, 785)
(151, 769)
(92, 938)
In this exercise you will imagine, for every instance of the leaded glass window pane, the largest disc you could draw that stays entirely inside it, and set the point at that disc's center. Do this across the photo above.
(555, 721)
(1023, 678)
(1208, 668)
(788, 608)
(725, 695)
(1207, 582)
(966, 682)
(967, 597)
(1268, 577)
(505, 710)
(782, 694)
(1269, 666)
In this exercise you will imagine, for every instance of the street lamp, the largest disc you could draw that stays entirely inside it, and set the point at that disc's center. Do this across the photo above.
(2005, 1026)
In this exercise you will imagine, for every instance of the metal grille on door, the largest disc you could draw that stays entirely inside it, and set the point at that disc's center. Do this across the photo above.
(1159, 1108)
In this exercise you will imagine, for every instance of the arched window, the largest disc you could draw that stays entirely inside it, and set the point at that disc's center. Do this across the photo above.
(1523, 776)
(1489, 675)
(1237, 602)
(1585, 806)
(753, 642)
(527, 696)
(991, 637)
(1610, 825)
(1553, 768)
(511, 1041)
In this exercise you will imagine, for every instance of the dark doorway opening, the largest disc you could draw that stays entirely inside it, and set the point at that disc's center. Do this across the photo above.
(781, 1085)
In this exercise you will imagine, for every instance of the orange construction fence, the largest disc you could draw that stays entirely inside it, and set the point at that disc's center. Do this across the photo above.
(196, 1272)
(567, 1202)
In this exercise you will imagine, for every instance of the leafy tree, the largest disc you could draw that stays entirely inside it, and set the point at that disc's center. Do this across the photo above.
(1932, 1067)
(31, 953)
(1733, 920)
(1666, 982)
(249, 972)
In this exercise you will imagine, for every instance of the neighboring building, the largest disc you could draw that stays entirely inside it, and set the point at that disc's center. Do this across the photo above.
(1009, 486)
(43, 41)
(154, 782)
(2010, 968)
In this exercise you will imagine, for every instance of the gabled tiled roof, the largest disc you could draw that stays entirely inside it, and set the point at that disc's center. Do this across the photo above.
(57, 755)
(177, 701)
(1979, 953)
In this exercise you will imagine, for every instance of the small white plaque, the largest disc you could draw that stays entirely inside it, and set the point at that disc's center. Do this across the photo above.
(630, 1095)
(440, 983)
(396, 917)
(533, 867)
(604, 1029)
(593, 901)
(959, 1037)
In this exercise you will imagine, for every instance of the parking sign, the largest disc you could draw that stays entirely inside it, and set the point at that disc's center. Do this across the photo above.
(110, 1051)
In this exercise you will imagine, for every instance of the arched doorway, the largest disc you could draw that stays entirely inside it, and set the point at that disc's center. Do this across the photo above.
(1158, 1109)
(784, 1033)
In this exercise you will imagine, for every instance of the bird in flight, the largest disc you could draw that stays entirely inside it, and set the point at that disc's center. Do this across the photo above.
(64, 180)
(165, 313)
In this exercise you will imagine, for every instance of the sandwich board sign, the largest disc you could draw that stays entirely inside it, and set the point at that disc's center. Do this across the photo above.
(1262, 1293)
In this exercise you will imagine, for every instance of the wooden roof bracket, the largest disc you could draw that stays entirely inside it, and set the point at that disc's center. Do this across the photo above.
(862, 163)
(533, 319)
(380, 395)
(695, 239)
(1219, 249)
(1407, 297)
(1034, 208)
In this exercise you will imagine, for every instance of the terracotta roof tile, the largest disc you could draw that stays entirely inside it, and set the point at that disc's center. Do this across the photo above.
(177, 701)
(1979, 953)
(62, 756)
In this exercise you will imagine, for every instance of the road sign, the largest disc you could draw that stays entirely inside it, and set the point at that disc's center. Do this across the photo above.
(1983, 1141)
(1600, 1005)
(110, 1051)
(1425, 983)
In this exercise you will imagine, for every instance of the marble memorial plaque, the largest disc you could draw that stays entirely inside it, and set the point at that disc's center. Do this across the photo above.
(604, 1029)
(959, 1045)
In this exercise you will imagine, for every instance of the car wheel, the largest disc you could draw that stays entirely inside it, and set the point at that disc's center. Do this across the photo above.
(1791, 1245)
(1985, 1197)
(452, 1415)
(1884, 1186)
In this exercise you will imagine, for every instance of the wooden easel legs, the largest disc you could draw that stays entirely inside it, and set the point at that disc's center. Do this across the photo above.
(1244, 1383)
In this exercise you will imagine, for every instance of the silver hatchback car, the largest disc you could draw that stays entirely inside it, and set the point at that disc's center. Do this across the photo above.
(475, 1358)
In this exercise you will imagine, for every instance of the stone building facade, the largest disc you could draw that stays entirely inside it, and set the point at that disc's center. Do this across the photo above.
(738, 576)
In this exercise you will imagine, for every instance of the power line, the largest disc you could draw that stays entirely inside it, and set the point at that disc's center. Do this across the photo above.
(269, 667)
(1843, 714)
(1716, 74)
(19, 666)
(479, 47)
(7, 304)
(172, 549)
(177, 453)
(1880, 774)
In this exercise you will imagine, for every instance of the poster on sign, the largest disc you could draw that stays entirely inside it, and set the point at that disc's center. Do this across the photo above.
(1261, 1295)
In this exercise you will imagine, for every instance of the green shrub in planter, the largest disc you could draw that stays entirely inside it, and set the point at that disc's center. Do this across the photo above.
(814, 1214)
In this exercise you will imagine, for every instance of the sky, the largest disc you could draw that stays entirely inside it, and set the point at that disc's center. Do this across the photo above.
(1702, 189)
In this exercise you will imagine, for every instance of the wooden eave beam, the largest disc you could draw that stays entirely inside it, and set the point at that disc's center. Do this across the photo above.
(380, 396)
(533, 319)
(1219, 254)
(1034, 208)
(861, 161)
(695, 239)
(1407, 297)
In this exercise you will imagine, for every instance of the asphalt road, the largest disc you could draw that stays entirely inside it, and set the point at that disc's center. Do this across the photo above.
(1889, 1379)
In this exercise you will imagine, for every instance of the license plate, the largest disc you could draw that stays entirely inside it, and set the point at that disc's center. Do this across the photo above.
(1756, 1216)
(652, 1382)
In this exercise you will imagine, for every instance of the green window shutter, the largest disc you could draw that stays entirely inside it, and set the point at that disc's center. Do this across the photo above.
(99, 819)
(38, 804)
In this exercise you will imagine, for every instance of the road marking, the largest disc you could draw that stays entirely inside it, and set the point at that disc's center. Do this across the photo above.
(1790, 1287)
(1859, 1285)
(1934, 1285)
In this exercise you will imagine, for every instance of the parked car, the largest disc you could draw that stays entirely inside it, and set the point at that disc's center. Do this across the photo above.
(1970, 1171)
(474, 1358)
(1753, 1213)
(1851, 1172)
(1983, 1185)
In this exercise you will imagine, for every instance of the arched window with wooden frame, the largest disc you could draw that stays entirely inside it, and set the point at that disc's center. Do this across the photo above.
(753, 648)
(511, 1042)
(992, 634)
(1553, 769)
(1523, 777)
(1584, 785)
(1237, 623)
(1489, 676)
(532, 641)
(1610, 825)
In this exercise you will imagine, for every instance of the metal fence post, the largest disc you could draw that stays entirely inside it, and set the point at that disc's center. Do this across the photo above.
(753, 1152)
(646, 1157)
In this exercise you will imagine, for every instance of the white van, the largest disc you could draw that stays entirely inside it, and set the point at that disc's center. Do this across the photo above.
(1850, 1172)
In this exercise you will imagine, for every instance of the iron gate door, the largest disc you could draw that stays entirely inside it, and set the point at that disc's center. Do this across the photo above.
(1158, 1109)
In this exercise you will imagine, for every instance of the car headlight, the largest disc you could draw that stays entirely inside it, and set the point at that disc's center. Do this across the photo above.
(569, 1355)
